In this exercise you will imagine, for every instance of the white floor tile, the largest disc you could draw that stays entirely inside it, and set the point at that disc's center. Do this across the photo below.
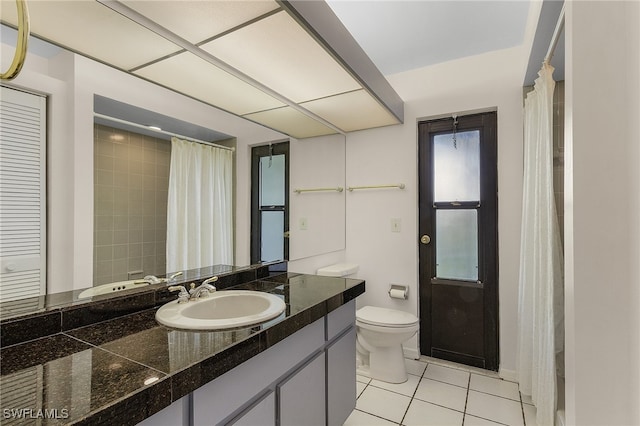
(477, 421)
(359, 388)
(422, 413)
(496, 387)
(529, 415)
(407, 388)
(359, 418)
(362, 379)
(383, 403)
(447, 375)
(415, 367)
(440, 393)
(494, 408)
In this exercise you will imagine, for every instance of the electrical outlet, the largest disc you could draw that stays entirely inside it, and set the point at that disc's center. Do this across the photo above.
(395, 224)
(303, 224)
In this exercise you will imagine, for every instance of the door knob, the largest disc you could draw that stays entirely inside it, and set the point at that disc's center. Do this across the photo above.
(425, 239)
(287, 234)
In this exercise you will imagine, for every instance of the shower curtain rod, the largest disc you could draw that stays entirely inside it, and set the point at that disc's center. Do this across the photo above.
(164, 132)
(556, 36)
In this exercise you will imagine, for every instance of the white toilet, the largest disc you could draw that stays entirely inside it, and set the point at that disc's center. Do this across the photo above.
(380, 334)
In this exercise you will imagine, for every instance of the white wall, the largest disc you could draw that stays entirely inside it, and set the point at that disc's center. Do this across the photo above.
(602, 231)
(389, 155)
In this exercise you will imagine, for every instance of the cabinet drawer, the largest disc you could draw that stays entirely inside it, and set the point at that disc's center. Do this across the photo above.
(221, 398)
(341, 319)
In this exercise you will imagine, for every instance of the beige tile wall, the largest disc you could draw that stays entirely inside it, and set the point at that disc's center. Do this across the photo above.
(131, 180)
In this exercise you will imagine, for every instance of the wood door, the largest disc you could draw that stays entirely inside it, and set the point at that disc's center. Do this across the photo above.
(458, 239)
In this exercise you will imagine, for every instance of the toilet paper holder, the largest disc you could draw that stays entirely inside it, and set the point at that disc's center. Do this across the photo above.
(399, 291)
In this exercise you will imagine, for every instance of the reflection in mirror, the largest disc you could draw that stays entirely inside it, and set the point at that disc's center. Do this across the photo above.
(317, 218)
(200, 206)
(131, 180)
(131, 193)
(315, 162)
(138, 168)
(270, 202)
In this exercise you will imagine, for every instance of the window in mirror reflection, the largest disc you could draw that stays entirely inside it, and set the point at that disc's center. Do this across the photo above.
(269, 202)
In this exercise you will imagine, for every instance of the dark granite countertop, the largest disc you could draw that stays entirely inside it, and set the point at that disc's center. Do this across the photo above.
(127, 368)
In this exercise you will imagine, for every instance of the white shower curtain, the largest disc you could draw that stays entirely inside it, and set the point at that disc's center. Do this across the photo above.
(199, 207)
(540, 304)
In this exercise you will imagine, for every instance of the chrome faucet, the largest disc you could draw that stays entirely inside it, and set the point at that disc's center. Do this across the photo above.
(203, 289)
(183, 296)
(173, 277)
(151, 279)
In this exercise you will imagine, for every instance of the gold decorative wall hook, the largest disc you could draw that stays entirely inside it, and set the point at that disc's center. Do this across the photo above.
(21, 45)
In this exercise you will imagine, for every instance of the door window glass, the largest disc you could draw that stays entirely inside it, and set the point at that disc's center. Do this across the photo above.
(272, 180)
(272, 231)
(457, 244)
(456, 166)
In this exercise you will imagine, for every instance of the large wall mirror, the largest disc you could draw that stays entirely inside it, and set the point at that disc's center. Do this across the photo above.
(132, 163)
(90, 246)
(308, 89)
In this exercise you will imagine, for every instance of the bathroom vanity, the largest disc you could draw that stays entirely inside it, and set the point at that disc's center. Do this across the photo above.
(111, 362)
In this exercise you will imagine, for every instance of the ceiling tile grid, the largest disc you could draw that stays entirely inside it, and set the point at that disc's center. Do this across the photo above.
(90, 28)
(250, 58)
(188, 74)
(298, 68)
(197, 21)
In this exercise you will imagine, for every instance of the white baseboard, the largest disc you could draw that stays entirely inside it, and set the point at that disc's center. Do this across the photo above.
(509, 375)
(411, 353)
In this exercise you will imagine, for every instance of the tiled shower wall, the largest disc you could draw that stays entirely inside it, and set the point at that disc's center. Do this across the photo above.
(131, 180)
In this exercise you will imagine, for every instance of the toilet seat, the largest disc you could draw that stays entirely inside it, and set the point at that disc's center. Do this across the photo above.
(383, 317)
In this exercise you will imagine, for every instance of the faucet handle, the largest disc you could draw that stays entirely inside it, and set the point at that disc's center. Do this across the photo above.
(183, 296)
(173, 277)
(210, 280)
(152, 279)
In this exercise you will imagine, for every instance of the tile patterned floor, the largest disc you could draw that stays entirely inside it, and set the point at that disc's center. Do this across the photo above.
(441, 394)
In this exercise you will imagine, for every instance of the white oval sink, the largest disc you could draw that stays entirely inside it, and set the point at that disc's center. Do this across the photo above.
(112, 288)
(222, 309)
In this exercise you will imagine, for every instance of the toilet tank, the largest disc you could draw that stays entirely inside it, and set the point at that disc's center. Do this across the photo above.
(338, 270)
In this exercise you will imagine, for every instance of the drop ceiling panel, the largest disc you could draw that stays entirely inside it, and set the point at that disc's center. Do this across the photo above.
(200, 20)
(94, 30)
(291, 122)
(280, 54)
(351, 111)
(188, 74)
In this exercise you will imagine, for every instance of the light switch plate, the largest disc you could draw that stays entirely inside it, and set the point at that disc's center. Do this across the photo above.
(303, 224)
(395, 224)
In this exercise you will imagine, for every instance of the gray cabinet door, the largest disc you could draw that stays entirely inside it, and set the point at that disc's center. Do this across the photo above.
(302, 396)
(341, 379)
(261, 414)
